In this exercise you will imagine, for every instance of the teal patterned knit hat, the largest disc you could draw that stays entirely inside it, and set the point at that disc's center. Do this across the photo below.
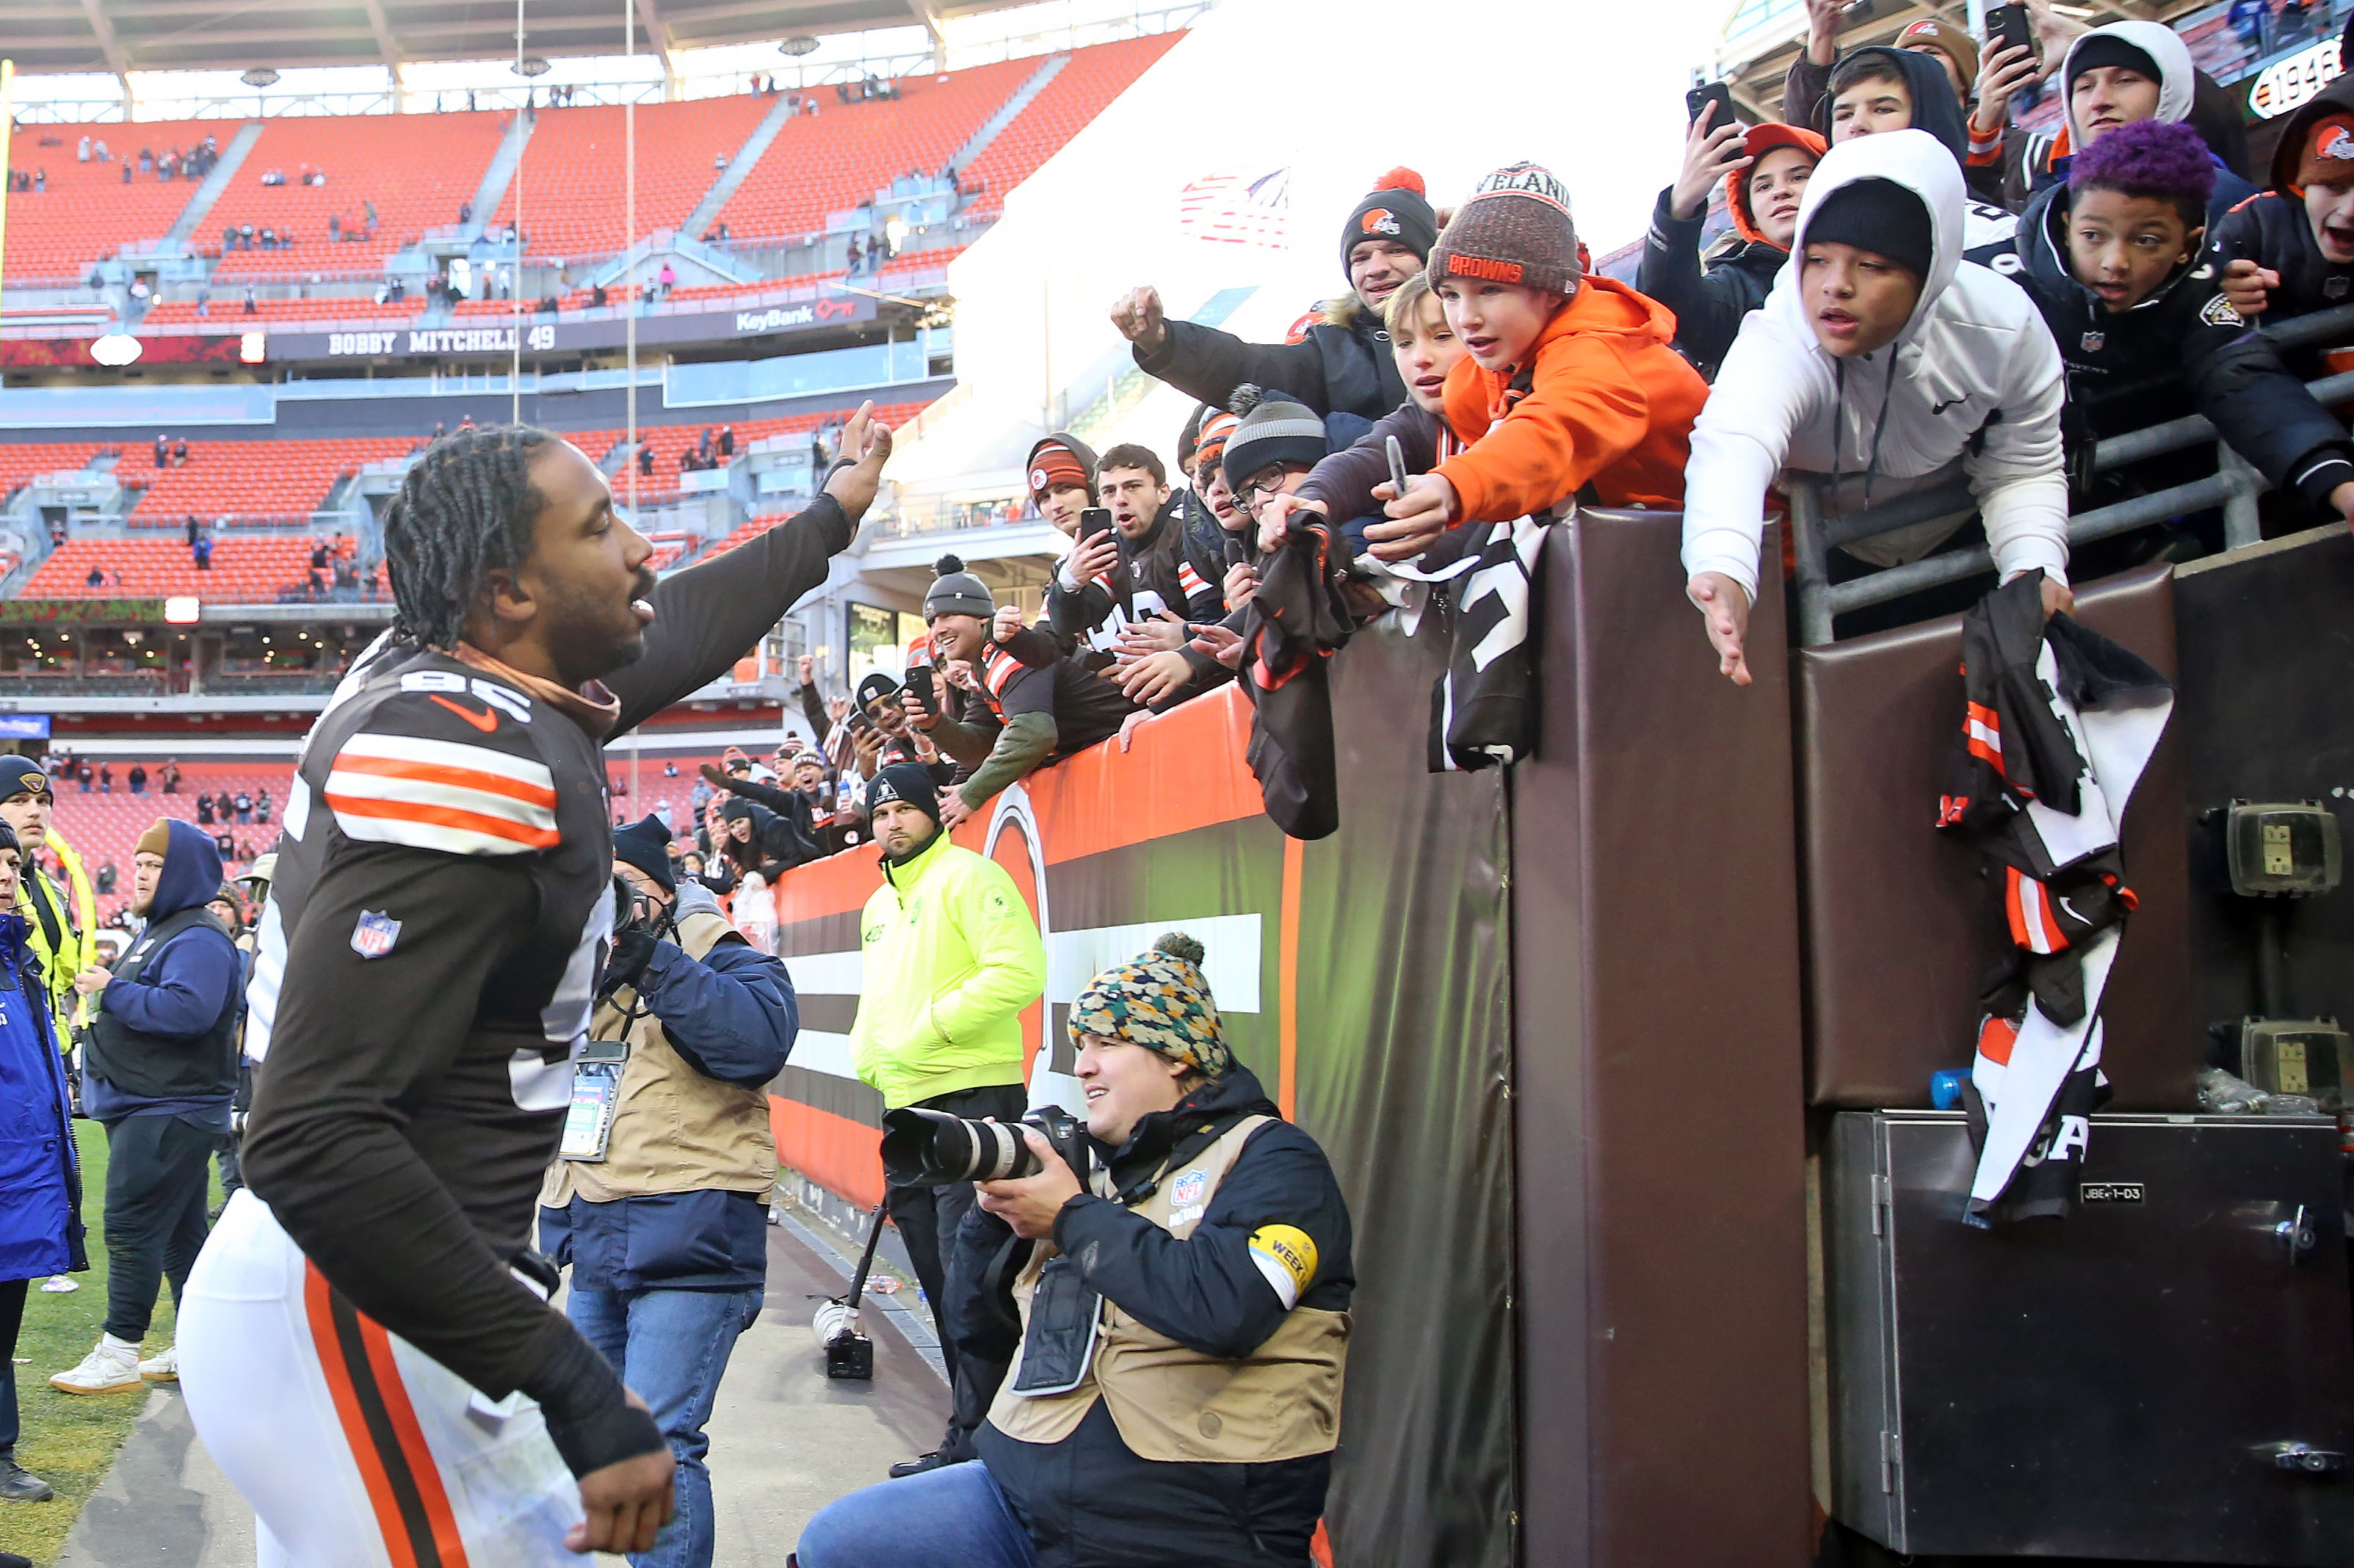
(1158, 1000)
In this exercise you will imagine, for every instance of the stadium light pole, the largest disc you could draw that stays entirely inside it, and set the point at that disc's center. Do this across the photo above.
(7, 125)
(629, 237)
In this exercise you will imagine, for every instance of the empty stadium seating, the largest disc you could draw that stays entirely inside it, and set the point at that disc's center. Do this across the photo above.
(86, 213)
(1082, 90)
(841, 156)
(273, 479)
(417, 169)
(20, 463)
(228, 314)
(571, 184)
(106, 827)
(245, 570)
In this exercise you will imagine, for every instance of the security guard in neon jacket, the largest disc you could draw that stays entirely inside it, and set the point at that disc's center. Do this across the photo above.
(61, 934)
(950, 957)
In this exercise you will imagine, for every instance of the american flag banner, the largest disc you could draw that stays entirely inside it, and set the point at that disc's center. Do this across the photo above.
(1239, 209)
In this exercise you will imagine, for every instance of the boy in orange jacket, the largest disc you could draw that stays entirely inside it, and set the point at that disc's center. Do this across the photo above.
(1569, 388)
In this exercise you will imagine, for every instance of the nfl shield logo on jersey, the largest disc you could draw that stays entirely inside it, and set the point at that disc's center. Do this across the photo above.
(373, 937)
(2093, 340)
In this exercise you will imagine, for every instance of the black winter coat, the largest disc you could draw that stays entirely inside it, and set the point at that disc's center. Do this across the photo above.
(1708, 305)
(1090, 1501)
(1334, 369)
(2183, 350)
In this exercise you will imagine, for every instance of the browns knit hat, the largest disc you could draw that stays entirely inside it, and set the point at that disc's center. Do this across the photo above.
(1952, 42)
(1515, 228)
(1275, 427)
(956, 591)
(2329, 155)
(1057, 461)
(1158, 1000)
(1395, 208)
(1210, 446)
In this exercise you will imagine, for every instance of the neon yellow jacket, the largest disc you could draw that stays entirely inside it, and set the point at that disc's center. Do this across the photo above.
(951, 958)
(76, 950)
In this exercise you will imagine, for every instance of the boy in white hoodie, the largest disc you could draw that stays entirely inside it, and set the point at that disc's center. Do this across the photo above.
(1883, 360)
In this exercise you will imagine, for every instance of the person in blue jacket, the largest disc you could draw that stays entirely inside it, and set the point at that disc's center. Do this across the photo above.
(658, 1203)
(159, 1068)
(40, 1174)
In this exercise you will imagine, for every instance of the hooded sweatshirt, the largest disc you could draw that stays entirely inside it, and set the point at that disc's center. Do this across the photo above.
(2177, 92)
(1602, 402)
(2183, 350)
(185, 985)
(1973, 378)
(2271, 229)
(1709, 306)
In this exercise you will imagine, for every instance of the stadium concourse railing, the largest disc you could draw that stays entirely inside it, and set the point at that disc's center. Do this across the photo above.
(2234, 487)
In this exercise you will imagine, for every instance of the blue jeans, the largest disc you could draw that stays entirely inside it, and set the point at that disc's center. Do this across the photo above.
(671, 1347)
(954, 1517)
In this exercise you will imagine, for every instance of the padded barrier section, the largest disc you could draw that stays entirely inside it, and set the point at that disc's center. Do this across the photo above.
(1658, 1079)
(1900, 923)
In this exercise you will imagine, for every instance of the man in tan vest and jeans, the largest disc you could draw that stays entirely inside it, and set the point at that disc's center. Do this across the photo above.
(1176, 1318)
(659, 1198)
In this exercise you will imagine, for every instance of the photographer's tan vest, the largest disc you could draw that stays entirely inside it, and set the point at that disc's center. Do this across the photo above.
(1180, 1405)
(675, 1130)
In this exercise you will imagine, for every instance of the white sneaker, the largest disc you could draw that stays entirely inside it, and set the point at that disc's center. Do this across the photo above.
(106, 1369)
(164, 1368)
(58, 1285)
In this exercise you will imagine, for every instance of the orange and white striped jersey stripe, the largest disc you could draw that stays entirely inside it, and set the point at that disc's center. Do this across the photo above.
(441, 795)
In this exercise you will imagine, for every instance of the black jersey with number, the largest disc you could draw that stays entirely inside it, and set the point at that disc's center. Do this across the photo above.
(428, 959)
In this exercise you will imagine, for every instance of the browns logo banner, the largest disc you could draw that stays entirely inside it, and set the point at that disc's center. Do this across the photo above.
(1362, 977)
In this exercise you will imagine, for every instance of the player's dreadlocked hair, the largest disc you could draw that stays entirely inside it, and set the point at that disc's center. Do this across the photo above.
(467, 506)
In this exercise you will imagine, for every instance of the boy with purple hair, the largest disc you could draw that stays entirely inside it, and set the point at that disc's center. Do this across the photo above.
(2112, 259)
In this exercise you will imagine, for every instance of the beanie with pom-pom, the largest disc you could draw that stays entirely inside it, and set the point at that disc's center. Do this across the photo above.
(1158, 1000)
(956, 591)
(1395, 208)
(1275, 428)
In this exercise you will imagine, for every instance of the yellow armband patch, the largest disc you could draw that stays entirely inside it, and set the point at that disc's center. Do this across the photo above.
(1285, 1256)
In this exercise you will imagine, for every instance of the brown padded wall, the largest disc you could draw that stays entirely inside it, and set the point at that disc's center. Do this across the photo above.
(1899, 920)
(1658, 1083)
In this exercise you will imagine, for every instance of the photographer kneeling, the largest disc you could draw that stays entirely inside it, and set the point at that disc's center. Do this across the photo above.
(658, 1198)
(1180, 1315)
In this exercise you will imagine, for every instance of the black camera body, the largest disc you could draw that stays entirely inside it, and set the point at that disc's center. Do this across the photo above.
(932, 1148)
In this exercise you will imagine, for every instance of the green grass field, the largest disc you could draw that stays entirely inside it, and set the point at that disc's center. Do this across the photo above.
(70, 1439)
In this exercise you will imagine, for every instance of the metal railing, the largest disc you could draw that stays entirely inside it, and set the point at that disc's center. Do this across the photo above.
(2234, 487)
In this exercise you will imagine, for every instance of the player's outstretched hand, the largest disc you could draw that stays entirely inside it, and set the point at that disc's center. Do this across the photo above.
(868, 442)
(626, 1502)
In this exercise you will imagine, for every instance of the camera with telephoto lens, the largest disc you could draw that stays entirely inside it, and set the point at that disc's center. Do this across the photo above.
(932, 1148)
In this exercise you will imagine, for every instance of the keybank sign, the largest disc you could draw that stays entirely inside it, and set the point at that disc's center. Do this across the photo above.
(785, 318)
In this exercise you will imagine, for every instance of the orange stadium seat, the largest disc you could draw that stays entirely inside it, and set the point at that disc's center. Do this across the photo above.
(86, 213)
(416, 168)
(244, 570)
(19, 463)
(1082, 90)
(229, 316)
(251, 479)
(570, 184)
(103, 827)
(841, 156)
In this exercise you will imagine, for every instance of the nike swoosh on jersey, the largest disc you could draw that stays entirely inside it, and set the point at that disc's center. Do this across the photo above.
(441, 795)
(485, 722)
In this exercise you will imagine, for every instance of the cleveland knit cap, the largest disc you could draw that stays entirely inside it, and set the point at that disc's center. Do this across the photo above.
(2101, 48)
(646, 843)
(1395, 208)
(1515, 228)
(2327, 160)
(1879, 215)
(815, 759)
(1948, 40)
(1217, 428)
(1274, 428)
(911, 782)
(956, 591)
(1060, 459)
(1158, 1000)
